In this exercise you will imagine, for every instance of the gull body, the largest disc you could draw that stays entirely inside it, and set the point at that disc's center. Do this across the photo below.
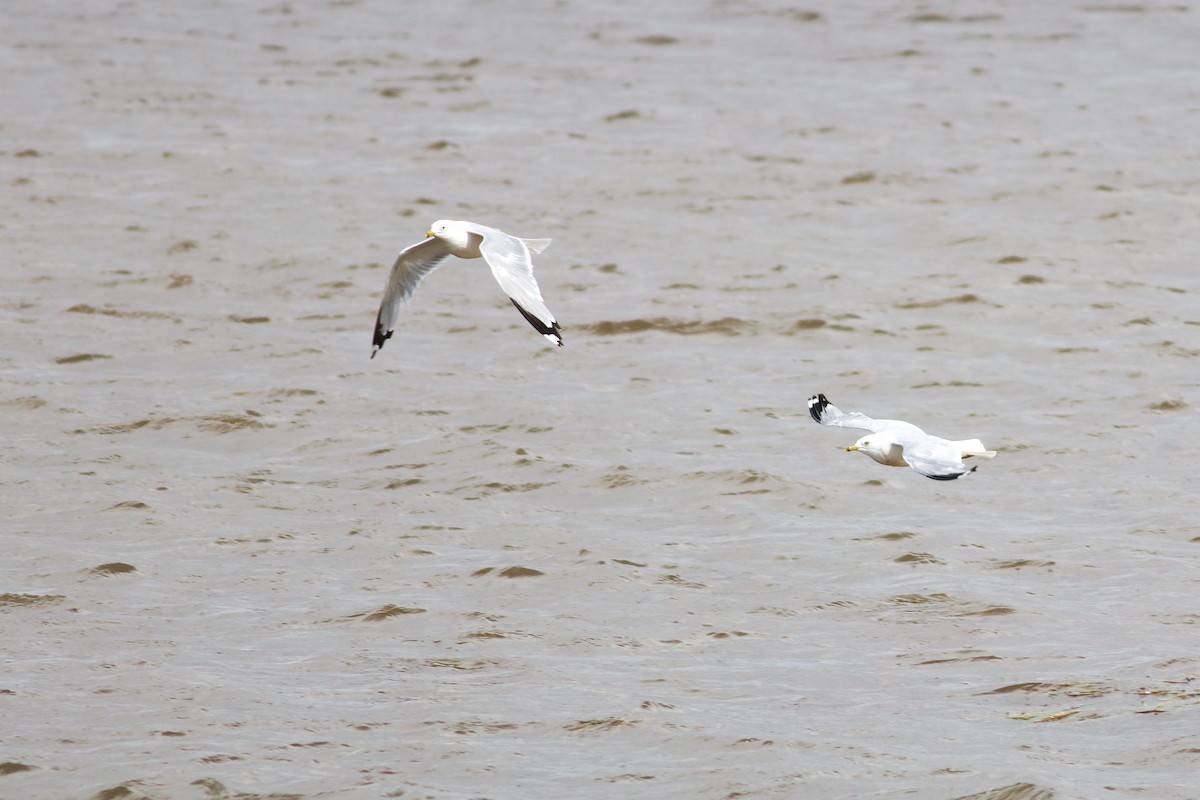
(508, 257)
(896, 443)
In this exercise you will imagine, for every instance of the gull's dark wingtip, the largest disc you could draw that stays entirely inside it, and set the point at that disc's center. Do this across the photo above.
(380, 337)
(952, 476)
(549, 331)
(816, 406)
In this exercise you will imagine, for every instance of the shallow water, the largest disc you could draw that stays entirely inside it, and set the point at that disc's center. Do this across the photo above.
(244, 559)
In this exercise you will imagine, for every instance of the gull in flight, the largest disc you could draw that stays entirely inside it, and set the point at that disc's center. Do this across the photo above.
(902, 444)
(508, 256)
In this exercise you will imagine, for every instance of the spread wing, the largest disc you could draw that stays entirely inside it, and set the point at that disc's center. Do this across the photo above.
(508, 257)
(413, 264)
(827, 413)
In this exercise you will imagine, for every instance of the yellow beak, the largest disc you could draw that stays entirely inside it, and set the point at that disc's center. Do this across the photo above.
(852, 448)
(431, 233)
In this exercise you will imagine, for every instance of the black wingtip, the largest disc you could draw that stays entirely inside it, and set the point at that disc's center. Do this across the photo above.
(550, 331)
(952, 477)
(816, 406)
(380, 337)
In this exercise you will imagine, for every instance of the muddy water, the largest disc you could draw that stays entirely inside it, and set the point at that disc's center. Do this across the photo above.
(243, 559)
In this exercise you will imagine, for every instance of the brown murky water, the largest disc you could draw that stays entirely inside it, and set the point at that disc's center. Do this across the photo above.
(243, 559)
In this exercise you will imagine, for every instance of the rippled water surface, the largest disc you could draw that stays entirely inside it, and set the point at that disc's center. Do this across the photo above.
(242, 559)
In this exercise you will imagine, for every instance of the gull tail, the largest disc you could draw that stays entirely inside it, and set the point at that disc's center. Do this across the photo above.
(974, 447)
(536, 245)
